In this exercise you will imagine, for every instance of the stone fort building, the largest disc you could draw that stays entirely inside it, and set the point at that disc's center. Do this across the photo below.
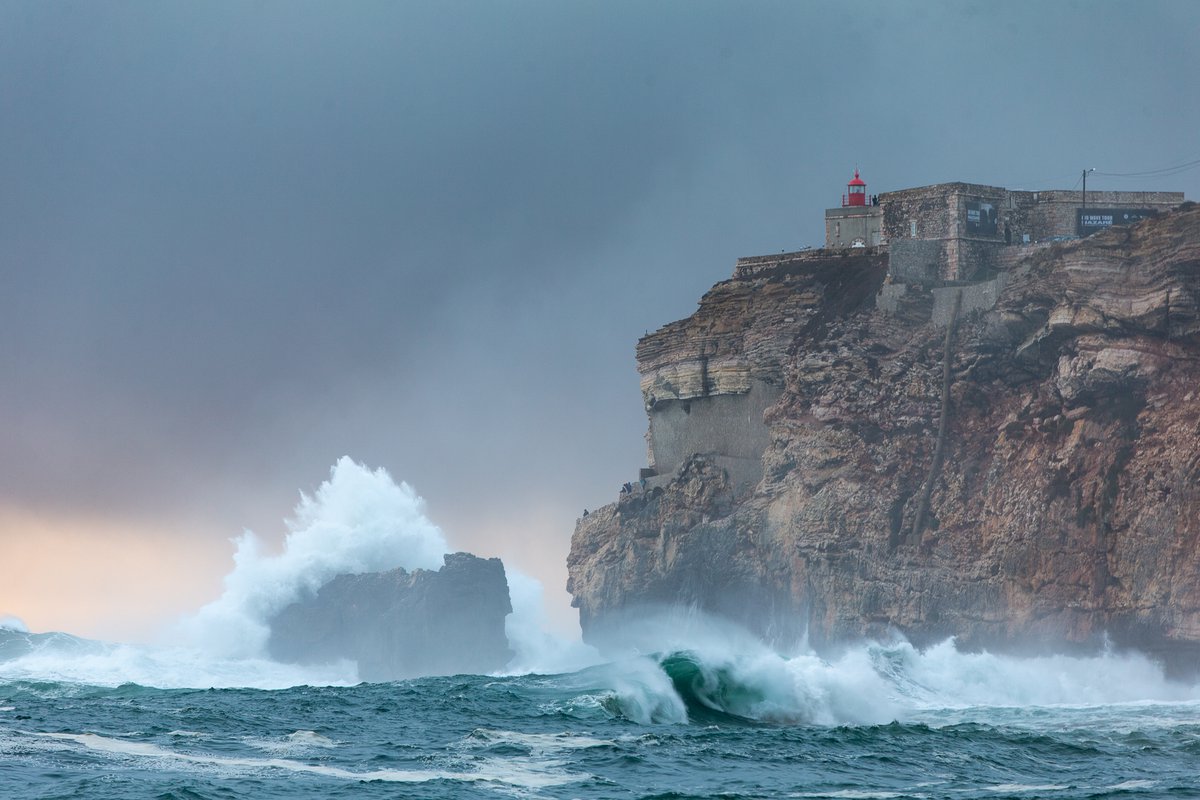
(947, 249)
(958, 231)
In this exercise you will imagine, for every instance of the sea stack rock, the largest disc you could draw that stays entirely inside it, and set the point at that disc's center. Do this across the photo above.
(1011, 458)
(401, 624)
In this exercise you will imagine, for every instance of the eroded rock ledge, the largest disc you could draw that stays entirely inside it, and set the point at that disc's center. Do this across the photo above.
(1067, 508)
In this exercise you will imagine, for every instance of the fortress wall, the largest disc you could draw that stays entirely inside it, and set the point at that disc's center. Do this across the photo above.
(917, 260)
(977, 259)
(729, 426)
(1050, 213)
(753, 266)
(973, 224)
(976, 297)
(927, 206)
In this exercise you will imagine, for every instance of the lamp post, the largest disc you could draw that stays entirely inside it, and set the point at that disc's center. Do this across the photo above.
(1085, 172)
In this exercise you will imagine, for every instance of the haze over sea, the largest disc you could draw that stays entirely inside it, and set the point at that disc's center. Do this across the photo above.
(692, 707)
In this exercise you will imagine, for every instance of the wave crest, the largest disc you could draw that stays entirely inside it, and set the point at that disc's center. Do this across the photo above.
(721, 677)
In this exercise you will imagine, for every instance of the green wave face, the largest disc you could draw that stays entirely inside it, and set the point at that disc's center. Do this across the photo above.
(709, 691)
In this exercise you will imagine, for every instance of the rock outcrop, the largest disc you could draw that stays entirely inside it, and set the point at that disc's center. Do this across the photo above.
(1066, 505)
(401, 624)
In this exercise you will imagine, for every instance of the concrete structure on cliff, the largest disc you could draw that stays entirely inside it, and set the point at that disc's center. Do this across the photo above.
(951, 232)
(945, 248)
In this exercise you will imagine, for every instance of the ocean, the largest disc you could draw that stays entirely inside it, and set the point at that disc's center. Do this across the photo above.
(688, 707)
(727, 718)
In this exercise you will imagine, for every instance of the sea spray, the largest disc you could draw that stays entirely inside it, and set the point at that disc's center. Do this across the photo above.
(942, 676)
(682, 659)
(714, 669)
(534, 648)
(358, 521)
(62, 658)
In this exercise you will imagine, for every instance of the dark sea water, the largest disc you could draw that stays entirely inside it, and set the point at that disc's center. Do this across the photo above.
(882, 721)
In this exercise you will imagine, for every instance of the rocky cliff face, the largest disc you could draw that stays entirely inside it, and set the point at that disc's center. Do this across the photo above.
(401, 624)
(1064, 506)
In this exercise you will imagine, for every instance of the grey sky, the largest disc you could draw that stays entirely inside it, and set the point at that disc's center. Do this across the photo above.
(239, 240)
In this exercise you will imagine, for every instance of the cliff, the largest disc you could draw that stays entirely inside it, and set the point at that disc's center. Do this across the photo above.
(1062, 507)
(401, 624)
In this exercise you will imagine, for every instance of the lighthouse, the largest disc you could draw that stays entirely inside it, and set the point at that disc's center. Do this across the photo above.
(856, 191)
(857, 222)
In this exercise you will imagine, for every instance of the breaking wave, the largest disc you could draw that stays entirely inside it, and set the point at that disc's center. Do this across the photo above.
(358, 521)
(726, 677)
(715, 672)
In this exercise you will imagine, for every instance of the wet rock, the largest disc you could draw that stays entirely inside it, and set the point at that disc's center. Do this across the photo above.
(401, 624)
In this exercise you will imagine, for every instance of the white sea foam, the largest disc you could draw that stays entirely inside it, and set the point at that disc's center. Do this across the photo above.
(643, 693)
(538, 743)
(512, 772)
(857, 794)
(720, 667)
(167, 668)
(295, 743)
(358, 521)
(11, 622)
(1024, 787)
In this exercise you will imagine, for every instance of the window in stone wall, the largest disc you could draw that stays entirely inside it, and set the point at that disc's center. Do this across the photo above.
(912, 228)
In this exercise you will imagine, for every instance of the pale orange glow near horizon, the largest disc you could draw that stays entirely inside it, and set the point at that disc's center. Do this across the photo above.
(129, 581)
(104, 578)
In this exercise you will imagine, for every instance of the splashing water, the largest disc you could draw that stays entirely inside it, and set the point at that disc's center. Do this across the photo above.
(683, 666)
(358, 521)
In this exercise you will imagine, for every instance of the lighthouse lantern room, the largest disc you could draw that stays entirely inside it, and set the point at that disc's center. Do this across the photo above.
(856, 191)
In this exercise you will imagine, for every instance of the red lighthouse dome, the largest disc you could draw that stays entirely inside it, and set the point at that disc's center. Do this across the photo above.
(856, 191)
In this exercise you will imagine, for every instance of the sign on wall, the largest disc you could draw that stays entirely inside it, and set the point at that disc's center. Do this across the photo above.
(1090, 220)
(981, 218)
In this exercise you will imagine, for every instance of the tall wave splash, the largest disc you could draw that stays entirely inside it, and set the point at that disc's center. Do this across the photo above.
(359, 520)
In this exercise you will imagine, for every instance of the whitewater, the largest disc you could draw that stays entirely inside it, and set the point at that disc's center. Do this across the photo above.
(691, 707)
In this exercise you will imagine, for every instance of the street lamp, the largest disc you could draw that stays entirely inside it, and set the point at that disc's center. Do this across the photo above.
(1085, 172)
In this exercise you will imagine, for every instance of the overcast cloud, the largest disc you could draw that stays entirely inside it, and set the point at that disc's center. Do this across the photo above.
(239, 240)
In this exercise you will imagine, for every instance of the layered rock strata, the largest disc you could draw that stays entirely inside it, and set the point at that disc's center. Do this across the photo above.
(401, 624)
(1065, 510)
